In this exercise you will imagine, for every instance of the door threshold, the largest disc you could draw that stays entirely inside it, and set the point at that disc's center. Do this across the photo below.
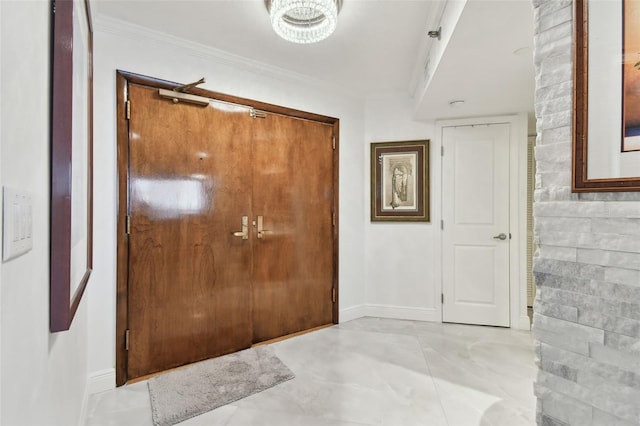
(266, 342)
(157, 373)
(289, 336)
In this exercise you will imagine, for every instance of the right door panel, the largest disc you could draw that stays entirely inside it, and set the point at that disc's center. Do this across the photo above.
(293, 256)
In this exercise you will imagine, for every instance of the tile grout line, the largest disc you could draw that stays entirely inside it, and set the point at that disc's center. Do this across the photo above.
(435, 385)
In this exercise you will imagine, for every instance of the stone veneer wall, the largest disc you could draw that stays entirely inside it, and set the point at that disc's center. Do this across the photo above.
(587, 310)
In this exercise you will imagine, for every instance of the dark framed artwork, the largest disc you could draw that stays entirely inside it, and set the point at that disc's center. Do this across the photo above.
(606, 98)
(71, 159)
(630, 75)
(400, 181)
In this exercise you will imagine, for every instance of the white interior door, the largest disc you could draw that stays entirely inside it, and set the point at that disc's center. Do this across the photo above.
(476, 236)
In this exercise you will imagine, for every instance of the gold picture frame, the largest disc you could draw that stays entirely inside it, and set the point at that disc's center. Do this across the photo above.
(400, 181)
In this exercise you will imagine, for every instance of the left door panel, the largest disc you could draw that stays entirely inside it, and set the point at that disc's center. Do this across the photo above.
(189, 276)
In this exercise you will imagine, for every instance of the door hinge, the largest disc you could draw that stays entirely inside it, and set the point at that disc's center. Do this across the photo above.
(126, 340)
(509, 235)
(254, 113)
(333, 138)
(442, 151)
(442, 224)
(442, 298)
(128, 225)
(334, 295)
(128, 110)
(333, 219)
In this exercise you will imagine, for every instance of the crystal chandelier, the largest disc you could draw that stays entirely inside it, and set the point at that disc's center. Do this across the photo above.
(304, 21)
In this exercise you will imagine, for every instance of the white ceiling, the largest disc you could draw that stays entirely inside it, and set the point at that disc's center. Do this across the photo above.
(373, 48)
(488, 63)
(379, 45)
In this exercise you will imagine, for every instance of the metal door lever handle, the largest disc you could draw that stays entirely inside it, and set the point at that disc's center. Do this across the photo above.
(245, 229)
(501, 236)
(261, 231)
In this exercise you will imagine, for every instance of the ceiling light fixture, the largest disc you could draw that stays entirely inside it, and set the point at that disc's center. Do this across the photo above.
(304, 21)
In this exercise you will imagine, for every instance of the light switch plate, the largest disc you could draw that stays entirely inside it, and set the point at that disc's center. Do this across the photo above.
(17, 226)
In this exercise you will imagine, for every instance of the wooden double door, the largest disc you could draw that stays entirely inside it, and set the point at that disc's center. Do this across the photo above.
(230, 228)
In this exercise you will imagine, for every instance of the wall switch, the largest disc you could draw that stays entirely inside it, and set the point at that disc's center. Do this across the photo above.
(17, 223)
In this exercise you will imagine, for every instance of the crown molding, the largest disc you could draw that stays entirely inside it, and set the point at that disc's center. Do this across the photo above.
(121, 28)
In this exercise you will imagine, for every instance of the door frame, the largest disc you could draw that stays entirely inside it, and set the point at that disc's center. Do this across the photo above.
(123, 79)
(518, 317)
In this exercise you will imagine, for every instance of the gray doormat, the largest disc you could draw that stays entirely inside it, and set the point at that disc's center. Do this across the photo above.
(204, 386)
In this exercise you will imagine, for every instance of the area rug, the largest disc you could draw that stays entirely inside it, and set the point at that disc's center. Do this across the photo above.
(204, 386)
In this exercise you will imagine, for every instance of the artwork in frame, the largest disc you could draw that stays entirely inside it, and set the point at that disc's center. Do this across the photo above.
(606, 104)
(631, 75)
(71, 159)
(400, 181)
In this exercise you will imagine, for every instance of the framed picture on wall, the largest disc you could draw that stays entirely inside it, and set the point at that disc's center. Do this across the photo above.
(400, 181)
(71, 159)
(630, 75)
(606, 98)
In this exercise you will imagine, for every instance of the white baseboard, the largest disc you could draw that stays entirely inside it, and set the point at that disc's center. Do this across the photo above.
(404, 313)
(100, 381)
(353, 312)
(410, 313)
(389, 311)
(524, 323)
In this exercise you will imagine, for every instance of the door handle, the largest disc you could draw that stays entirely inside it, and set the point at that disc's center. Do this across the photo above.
(261, 231)
(501, 236)
(245, 229)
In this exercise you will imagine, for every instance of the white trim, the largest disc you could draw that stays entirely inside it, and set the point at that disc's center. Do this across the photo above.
(135, 32)
(403, 312)
(524, 323)
(100, 381)
(390, 311)
(436, 218)
(519, 177)
(353, 312)
(517, 209)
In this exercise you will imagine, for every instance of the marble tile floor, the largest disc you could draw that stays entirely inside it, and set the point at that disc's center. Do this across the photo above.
(374, 371)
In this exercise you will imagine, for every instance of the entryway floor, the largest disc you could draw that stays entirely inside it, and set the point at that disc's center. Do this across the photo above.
(374, 371)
